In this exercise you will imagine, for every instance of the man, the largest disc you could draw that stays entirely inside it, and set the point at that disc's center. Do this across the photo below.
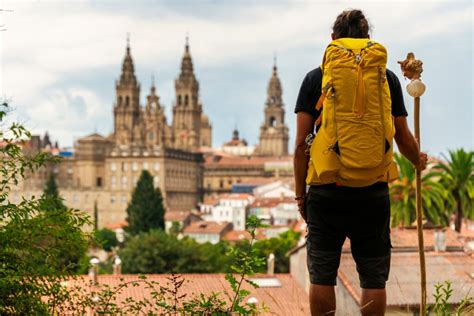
(334, 211)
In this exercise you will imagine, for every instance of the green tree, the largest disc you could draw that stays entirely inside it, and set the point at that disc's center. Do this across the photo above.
(157, 252)
(145, 210)
(457, 176)
(31, 240)
(279, 246)
(434, 196)
(51, 193)
(106, 238)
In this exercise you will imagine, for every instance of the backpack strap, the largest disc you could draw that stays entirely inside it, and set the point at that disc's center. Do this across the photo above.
(319, 104)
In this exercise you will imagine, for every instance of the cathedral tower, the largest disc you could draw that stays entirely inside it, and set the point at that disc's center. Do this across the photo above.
(273, 132)
(156, 130)
(187, 110)
(127, 106)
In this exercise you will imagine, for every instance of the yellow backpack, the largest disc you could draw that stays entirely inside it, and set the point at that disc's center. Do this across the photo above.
(354, 143)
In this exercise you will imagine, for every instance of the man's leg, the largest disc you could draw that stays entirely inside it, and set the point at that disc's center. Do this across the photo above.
(373, 302)
(370, 246)
(322, 300)
(323, 245)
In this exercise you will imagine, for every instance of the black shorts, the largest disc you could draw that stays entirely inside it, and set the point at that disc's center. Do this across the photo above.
(361, 215)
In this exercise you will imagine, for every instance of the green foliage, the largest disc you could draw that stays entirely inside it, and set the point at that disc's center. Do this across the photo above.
(435, 197)
(457, 176)
(246, 262)
(145, 210)
(163, 299)
(279, 247)
(157, 252)
(51, 193)
(442, 307)
(37, 239)
(106, 238)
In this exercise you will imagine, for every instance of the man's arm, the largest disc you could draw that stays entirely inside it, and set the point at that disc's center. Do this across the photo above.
(304, 126)
(407, 143)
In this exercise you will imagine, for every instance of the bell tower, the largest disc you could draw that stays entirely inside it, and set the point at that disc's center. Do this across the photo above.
(127, 106)
(187, 109)
(273, 132)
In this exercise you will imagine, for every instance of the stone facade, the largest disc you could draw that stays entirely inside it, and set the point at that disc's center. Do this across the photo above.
(103, 171)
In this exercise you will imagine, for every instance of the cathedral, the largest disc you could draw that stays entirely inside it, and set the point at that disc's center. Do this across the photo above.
(136, 126)
(101, 171)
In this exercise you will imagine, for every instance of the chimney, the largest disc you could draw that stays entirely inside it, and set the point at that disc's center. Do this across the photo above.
(440, 240)
(252, 301)
(117, 265)
(94, 270)
(271, 264)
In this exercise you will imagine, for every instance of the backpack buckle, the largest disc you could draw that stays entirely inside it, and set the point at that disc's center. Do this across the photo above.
(309, 139)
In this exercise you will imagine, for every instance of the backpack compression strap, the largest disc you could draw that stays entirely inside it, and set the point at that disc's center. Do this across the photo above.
(319, 104)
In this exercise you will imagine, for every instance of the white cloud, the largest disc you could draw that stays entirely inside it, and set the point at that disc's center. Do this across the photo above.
(48, 42)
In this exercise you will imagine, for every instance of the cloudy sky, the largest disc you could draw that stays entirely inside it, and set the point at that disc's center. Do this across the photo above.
(60, 59)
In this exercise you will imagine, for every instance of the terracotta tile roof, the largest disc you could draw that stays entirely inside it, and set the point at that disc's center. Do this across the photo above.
(206, 227)
(116, 225)
(210, 200)
(287, 299)
(236, 235)
(234, 196)
(222, 160)
(271, 202)
(403, 286)
(178, 216)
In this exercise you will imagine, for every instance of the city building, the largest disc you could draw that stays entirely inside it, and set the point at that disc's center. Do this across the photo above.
(230, 207)
(207, 231)
(102, 170)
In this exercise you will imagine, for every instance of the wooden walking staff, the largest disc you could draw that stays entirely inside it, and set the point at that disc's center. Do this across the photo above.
(412, 69)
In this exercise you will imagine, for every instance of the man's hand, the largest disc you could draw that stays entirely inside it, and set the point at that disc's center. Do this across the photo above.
(302, 207)
(423, 160)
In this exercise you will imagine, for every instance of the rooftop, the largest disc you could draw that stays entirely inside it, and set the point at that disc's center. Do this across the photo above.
(220, 160)
(206, 227)
(178, 216)
(283, 297)
(403, 287)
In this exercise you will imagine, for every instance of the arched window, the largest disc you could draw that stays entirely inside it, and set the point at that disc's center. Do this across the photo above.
(186, 100)
(272, 121)
(179, 99)
(119, 100)
(127, 100)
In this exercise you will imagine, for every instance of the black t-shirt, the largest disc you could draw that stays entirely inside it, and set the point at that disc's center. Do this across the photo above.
(310, 92)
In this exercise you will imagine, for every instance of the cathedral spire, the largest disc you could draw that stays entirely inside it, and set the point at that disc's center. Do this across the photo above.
(274, 90)
(127, 76)
(187, 62)
(153, 88)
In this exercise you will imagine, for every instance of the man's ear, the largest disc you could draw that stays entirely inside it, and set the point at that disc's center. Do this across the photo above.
(333, 36)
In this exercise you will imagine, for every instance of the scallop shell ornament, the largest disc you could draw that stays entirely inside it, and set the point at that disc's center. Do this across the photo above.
(416, 88)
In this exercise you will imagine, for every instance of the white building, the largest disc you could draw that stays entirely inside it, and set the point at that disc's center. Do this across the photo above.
(277, 189)
(230, 207)
(285, 212)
